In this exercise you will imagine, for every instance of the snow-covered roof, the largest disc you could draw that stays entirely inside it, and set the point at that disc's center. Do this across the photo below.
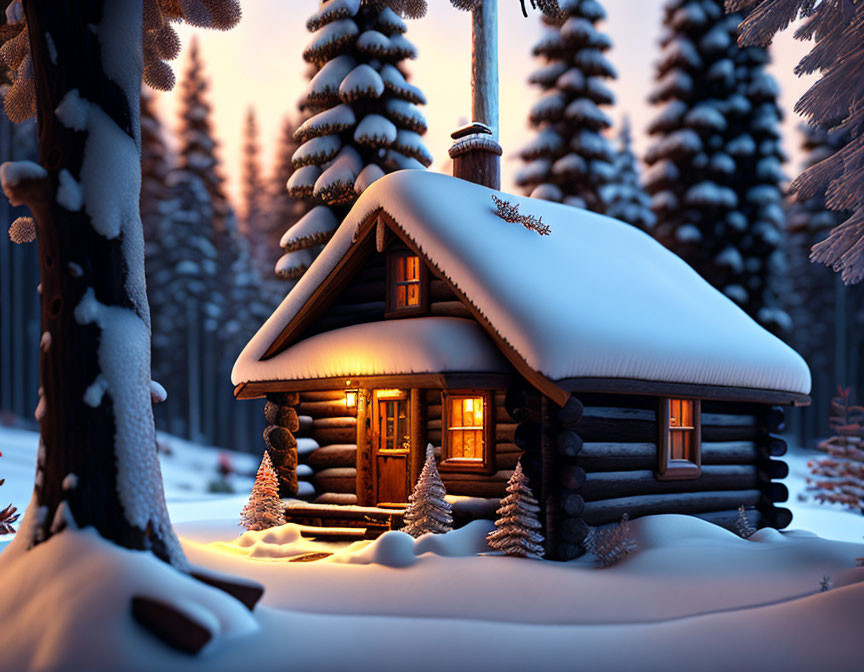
(595, 298)
(394, 347)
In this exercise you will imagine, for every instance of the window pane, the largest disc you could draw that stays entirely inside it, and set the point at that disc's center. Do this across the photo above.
(413, 270)
(686, 445)
(674, 413)
(686, 413)
(456, 449)
(413, 294)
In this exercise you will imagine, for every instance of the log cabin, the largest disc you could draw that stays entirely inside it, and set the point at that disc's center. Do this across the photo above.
(622, 380)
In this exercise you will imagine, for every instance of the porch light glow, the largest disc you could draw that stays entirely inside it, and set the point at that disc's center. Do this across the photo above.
(350, 398)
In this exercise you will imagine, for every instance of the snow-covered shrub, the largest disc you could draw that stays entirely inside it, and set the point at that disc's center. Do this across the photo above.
(428, 511)
(610, 546)
(264, 508)
(517, 529)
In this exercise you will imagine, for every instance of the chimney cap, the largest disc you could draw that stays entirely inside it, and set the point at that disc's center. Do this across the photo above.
(474, 128)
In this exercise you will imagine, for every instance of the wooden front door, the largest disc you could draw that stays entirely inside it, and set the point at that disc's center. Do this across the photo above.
(391, 445)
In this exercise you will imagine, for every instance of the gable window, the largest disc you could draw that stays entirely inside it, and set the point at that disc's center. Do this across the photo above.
(680, 444)
(406, 280)
(467, 431)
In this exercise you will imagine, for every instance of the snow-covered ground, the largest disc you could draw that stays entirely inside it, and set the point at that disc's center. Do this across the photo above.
(693, 595)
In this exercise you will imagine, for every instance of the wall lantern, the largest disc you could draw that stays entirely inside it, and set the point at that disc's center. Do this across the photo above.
(351, 398)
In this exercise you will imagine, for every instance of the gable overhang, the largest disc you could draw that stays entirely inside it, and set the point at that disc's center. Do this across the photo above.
(368, 236)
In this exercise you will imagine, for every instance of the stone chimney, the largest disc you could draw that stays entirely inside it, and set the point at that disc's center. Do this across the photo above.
(475, 152)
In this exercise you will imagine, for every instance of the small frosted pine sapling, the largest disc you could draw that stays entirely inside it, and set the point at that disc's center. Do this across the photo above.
(264, 508)
(743, 526)
(509, 212)
(428, 510)
(517, 530)
(610, 546)
(825, 584)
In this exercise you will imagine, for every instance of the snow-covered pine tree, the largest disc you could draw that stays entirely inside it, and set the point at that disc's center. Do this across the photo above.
(254, 223)
(264, 508)
(825, 313)
(715, 165)
(97, 462)
(517, 529)
(837, 29)
(623, 195)
(365, 117)
(283, 211)
(428, 511)
(839, 478)
(569, 160)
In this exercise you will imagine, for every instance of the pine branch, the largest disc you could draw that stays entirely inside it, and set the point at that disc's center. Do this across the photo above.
(509, 212)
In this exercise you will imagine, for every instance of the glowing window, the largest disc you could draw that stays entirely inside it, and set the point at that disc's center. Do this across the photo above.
(467, 423)
(406, 284)
(680, 455)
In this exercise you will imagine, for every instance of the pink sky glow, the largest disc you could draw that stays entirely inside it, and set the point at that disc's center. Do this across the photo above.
(259, 63)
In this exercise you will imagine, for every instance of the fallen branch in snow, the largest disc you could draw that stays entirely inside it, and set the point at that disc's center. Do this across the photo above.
(509, 212)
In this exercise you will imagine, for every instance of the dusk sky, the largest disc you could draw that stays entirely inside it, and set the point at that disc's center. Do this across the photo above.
(259, 63)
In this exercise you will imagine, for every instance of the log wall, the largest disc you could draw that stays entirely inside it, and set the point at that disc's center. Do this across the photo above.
(606, 454)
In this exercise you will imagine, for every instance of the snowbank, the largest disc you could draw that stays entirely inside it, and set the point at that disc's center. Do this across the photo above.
(596, 298)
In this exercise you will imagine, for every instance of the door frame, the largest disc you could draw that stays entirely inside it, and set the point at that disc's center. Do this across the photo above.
(376, 452)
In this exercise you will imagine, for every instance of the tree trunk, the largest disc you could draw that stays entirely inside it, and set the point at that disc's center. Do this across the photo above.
(98, 452)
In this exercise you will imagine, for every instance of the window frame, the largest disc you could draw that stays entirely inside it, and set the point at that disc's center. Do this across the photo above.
(669, 469)
(485, 465)
(393, 310)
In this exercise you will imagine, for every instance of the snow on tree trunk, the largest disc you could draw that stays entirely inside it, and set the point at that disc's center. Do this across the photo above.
(715, 166)
(264, 508)
(428, 510)
(365, 121)
(569, 160)
(517, 530)
(97, 457)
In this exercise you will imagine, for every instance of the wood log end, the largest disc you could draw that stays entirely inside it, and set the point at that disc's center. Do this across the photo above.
(570, 414)
(247, 592)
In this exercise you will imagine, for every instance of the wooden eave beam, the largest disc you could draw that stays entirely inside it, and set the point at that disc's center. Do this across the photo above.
(452, 380)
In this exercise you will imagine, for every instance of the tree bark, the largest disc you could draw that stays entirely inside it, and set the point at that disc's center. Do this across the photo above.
(75, 259)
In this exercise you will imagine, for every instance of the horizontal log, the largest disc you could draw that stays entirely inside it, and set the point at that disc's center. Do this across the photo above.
(505, 432)
(178, 629)
(327, 423)
(326, 436)
(776, 517)
(340, 479)
(572, 503)
(450, 309)
(617, 413)
(608, 485)
(502, 416)
(571, 413)
(729, 452)
(573, 530)
(336, 455)
(527, 435)
(728, 420)
(354, 309)
(304, 425)
(772, 469)
(321, 395)
(283, 398)
(501, 476)
(507, 460)
(611, 510)
(363, 292)
(342, 498)
(597, 456)
(501, 448)
(284, 416)
(484, 489)
(729, 519)
(568, 443)
(571, 477)
(439, 290)
(328, 409)
(433, 411)
(433, 436)
(523, 405)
